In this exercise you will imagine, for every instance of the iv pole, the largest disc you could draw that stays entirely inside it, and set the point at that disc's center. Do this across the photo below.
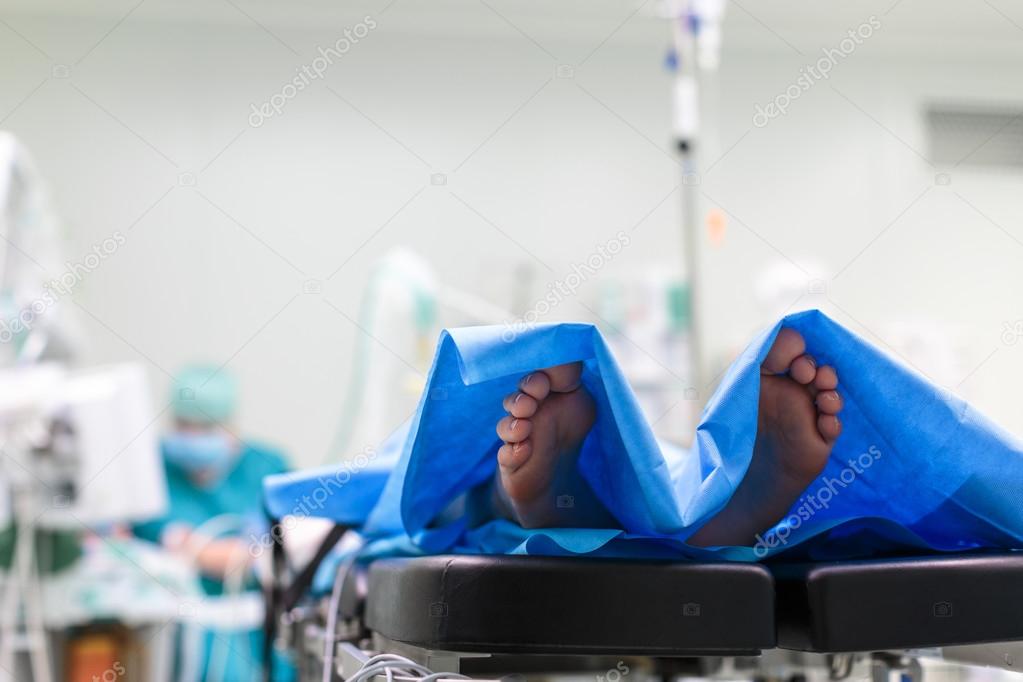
(695, 32)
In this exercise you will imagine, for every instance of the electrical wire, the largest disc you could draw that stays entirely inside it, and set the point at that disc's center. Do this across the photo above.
(389, 664)
(234, 579)
(234, 585)
(385, 664)
(330, 634)
(434, 677)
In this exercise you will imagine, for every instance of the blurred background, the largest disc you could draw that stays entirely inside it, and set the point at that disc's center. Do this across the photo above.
(500, 143)
(301, 195)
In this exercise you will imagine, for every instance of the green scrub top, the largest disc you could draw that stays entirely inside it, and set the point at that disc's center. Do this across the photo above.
(239, 493)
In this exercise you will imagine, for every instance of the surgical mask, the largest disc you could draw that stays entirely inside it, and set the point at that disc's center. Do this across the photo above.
(199, 452)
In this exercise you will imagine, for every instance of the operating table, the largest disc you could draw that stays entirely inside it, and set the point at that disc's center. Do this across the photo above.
(489, 617)
(940, 476)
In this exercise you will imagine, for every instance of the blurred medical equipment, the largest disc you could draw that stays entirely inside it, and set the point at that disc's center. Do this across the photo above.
(399, 318)
(695, 53)
(82, 434)
(135, 585)
(33, 323)
(778, 288)
(648, 324)
(71, 440)
(781, 287)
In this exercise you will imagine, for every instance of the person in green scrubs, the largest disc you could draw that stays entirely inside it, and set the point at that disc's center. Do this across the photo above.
(212, 473)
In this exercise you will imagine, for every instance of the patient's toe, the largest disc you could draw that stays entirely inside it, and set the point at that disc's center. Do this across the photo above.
(830, 426)
(565, 378)
(514, 430)
(803, 369)
(536, 385)
(787, 346)
(826, 379)
(521, 405)
(511, 456)
(829, 402)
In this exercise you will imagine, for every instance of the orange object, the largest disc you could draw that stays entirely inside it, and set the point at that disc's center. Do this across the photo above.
(93, 656)
(717, 224)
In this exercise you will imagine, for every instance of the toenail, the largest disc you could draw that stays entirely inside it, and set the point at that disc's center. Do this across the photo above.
(811, 360)
(527, 379)
(514, 423)
(516, 400)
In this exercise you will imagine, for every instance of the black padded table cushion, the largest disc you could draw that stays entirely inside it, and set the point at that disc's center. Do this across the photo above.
(516, 604)
(919, 602)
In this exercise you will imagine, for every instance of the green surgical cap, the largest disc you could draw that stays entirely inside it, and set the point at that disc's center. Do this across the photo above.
(203, 394)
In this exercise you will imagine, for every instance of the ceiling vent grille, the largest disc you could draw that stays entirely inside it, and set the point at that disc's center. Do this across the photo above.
(977, 136)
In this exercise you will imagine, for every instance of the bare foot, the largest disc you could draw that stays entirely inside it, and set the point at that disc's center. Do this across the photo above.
(548, 419)
(549, 416)
(797, 425)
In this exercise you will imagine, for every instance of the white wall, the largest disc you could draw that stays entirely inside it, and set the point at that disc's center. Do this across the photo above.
(216, 272)
(553, 166)
(832, 189)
